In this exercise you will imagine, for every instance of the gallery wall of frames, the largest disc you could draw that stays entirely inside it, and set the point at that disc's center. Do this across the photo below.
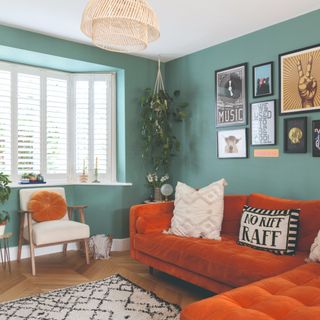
(240, 125)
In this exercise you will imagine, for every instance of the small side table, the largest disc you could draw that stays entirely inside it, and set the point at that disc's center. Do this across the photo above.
(5, 250)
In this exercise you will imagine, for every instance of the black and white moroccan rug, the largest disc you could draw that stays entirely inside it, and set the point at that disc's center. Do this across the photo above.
(114, 298)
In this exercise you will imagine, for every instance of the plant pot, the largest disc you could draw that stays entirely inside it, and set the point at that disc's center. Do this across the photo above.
(157, 195)
(2, 229)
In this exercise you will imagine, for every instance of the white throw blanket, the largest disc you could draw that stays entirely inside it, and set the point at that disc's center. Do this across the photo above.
(315, 250)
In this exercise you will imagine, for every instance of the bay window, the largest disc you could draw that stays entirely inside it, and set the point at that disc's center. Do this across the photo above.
(56, 123)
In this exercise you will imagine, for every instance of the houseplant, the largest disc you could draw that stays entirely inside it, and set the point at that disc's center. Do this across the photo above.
(159, 113)
(156, 182)
(4, 196)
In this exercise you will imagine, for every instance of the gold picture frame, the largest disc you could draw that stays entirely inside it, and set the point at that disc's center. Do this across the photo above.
(300, 80)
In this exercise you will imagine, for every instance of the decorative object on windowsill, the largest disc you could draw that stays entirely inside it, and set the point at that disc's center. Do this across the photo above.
(40, 178)
(159, 113)
(5, 191)
(84, 176)
(166, 191)
(32, 178)
(96, 173)
(120, 25)
(156, 183)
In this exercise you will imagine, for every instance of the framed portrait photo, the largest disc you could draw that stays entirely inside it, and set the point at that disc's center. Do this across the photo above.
(231, 96)
(263, 80)
(299, 80)
(316, 138)
(263, 123)
(232, 144)
(295, 135)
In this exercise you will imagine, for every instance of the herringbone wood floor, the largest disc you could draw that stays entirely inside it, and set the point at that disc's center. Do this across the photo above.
(57, 271)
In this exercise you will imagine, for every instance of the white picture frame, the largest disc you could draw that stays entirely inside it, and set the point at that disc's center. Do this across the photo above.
(263, 123)
(232, 144)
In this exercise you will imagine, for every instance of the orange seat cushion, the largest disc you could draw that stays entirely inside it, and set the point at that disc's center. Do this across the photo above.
(47, 205)
(294, 295)
(309, 224)
(224, 261)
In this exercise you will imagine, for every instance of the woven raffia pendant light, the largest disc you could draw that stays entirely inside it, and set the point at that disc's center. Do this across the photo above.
(120, 25)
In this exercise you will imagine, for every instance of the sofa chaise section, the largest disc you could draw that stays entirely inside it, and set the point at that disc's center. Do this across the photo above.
(294, 295)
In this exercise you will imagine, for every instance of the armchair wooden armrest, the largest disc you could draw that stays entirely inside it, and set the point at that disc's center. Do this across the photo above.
(24, 211)
(80, 209)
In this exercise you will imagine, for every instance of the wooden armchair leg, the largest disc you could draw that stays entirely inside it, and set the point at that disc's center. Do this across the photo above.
(33, 262)
(65, 248)
(20, 241)
(86, 250)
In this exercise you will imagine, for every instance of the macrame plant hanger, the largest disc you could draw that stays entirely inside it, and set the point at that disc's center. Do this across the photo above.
(159, 86)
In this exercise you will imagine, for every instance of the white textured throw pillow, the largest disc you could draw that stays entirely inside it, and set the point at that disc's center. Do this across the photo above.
(315, 250)
(198, 213)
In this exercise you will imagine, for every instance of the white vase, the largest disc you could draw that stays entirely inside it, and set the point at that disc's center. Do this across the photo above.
(2, 229)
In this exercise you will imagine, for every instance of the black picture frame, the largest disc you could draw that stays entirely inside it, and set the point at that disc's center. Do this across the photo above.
(294, 55)
(263, 130)
(295, 135)
(231, 110)
(267, 89)
(232, 135)
(316, 138)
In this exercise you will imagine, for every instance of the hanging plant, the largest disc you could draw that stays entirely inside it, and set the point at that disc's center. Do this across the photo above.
(159, 113)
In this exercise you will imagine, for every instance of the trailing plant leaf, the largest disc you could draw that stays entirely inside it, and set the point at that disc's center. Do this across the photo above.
(4, 188)
(159, 113)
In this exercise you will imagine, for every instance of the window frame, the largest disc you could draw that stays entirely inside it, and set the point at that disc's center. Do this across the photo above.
(71, 175)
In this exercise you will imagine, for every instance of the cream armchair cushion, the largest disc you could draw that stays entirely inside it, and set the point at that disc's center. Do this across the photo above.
(50, 232)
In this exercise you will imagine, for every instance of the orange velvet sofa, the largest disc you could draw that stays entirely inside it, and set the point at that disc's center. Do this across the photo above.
(218, 265)
(293, 295)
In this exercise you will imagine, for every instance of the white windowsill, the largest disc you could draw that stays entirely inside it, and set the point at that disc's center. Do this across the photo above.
(51, 184)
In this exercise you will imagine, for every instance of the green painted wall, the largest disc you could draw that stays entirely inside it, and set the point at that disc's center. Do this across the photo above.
(108, 210)
(292, 175)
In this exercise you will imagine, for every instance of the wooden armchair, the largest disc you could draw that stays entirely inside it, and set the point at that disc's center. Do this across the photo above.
(53, 232)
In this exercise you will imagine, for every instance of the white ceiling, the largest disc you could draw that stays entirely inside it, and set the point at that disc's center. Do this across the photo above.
(186, 26)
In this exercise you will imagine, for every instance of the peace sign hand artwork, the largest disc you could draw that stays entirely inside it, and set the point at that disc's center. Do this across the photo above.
(307, 85)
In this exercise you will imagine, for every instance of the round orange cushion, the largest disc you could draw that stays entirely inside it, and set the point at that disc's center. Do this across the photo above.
(47, 205)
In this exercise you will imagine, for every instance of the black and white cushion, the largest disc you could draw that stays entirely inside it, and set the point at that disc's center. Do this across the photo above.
(271, 230)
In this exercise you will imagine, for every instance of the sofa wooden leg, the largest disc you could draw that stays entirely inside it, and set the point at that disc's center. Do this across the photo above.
(151, 270)
(65, 249)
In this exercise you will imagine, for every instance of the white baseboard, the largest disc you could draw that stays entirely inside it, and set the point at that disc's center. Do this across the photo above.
(117, 245)
(120, 244)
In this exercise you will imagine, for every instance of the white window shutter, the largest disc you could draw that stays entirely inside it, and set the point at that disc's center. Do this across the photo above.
(5, 121)
(28, 123)
(56, 136)
(82, 124)
(100, 124)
